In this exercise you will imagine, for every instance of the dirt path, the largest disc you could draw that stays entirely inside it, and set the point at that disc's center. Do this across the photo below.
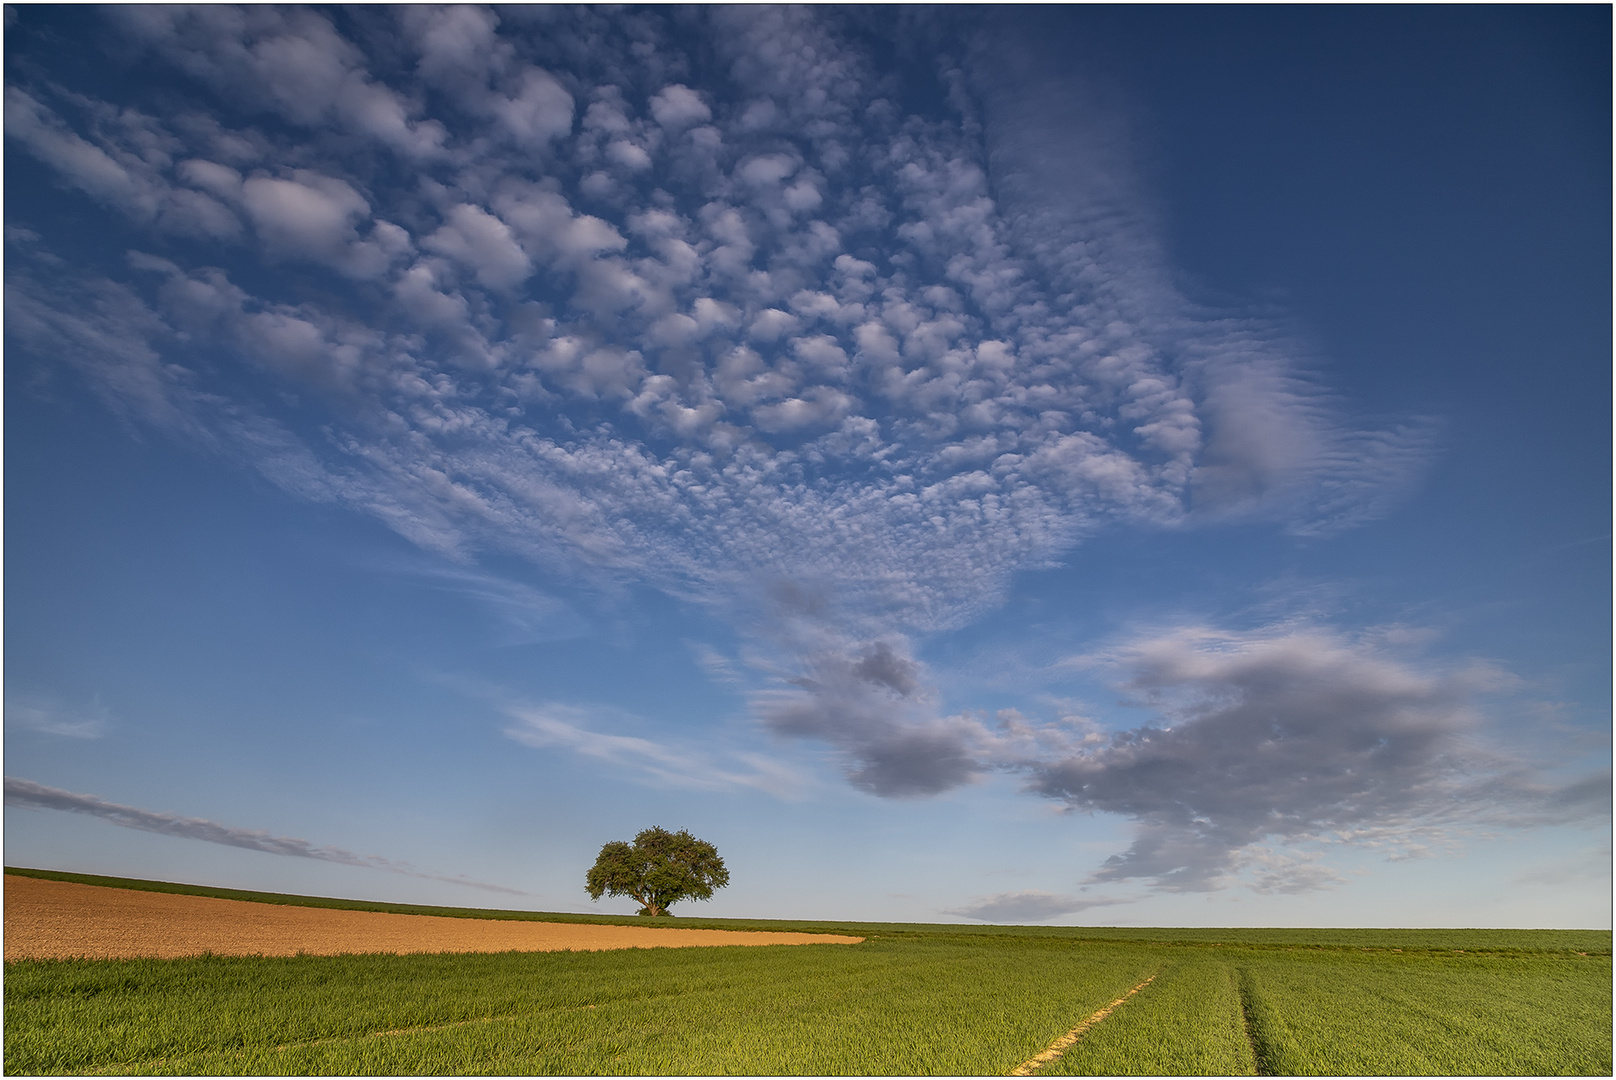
(1058, 1047)
(54, 919)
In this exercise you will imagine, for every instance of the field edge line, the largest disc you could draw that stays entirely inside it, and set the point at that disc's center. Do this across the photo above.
(1060, 1045)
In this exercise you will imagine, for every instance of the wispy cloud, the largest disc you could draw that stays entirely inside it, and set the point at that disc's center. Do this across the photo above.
(31, 796)
(718, 667)
(526, 615)
(52, 716)
(568, 727)
(1031, 906)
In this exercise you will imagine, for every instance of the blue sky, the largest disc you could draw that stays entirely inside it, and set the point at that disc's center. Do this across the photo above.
(1125, 466)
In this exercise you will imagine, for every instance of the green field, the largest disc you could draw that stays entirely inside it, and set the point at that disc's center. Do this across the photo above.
(912, 999)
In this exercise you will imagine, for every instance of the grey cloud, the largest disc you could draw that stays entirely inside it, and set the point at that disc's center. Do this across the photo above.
(1029, 906)
(883, 666)
(86, 166)
(31, 796)
(121, 166)
(869, 705)
(1293, 734)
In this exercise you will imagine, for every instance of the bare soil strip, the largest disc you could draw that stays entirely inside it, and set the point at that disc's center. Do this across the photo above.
(1058, 1047)
(61, 919)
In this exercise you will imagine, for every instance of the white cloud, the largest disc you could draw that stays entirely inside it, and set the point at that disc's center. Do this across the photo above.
(484, 243)
(51, 716)
(540, 111)
(290, 60)
(717, 666)
(572, 728)
(457, 42)
(678, 106)
(819, 407)
(314, 217)
(628, 155)
(524, 614)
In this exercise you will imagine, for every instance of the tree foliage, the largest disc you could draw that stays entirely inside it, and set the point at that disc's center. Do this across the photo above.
(660, 868)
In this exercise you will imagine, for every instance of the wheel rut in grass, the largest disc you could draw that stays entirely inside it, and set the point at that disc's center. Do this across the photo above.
(1242, 983)
(1060, 1045)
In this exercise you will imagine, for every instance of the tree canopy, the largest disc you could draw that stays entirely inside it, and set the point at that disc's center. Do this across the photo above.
(660, 868)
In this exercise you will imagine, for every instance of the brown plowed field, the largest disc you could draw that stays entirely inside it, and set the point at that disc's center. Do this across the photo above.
(48, 919)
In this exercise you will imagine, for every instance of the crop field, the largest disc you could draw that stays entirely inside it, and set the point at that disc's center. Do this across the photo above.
(911, 999)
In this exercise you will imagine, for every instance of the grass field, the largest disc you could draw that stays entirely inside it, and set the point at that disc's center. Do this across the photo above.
(913, 999)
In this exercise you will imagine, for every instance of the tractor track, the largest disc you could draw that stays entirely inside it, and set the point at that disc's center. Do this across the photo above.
(1060, 1045)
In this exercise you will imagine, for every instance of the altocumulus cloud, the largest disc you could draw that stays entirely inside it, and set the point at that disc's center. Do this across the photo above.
(31, 796)
(639, 325)
(686, 298)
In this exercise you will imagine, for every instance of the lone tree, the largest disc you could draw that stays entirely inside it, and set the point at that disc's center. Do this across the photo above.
(658, 869)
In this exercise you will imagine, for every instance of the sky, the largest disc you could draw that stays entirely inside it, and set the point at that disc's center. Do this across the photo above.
(1094, 466)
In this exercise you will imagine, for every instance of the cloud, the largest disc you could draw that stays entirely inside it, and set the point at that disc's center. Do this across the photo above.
(572, 728)
(837, 354)
(1243, 414)
(868, 703)
(551, 294)
(289, 61)
(312, 217)
(526, 615)
(79, 162)
(1297, 734)
(485, 244)
(31, 796)
(678, 106)
(718, 667)
(1029, 906)
(53, 717)
(539, 111)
